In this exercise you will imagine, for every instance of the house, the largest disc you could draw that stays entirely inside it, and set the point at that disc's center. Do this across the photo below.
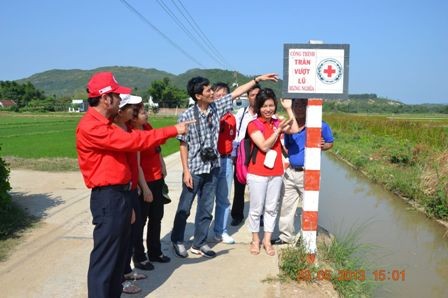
(78, 105)
(6, 103)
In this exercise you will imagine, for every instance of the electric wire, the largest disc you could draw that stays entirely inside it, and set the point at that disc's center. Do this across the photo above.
(197, 29)
(132, 9)
(188, 32)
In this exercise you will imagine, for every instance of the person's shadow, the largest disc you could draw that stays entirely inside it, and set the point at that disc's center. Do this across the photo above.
(162, 272)
(36, 205)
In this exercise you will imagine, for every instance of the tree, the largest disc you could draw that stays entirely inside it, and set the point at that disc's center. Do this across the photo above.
(20, 93)
(157, 88)
(165, 94)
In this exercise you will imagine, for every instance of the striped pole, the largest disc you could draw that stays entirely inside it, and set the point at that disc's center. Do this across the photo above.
(312, 176)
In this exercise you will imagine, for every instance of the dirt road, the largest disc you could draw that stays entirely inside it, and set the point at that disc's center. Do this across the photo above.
(52, 260)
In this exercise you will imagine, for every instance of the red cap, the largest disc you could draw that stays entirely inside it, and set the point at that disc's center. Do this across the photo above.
(103, 83)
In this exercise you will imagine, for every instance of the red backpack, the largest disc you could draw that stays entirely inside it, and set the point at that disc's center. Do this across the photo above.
(247, 151)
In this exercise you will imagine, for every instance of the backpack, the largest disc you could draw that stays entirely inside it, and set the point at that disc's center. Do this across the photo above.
(247, 151)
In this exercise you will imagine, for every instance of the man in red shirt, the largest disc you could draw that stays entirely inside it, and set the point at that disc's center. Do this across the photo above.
(102, 155)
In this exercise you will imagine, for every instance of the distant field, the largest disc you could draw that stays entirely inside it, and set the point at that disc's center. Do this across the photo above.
(51, 135)
(427, 130)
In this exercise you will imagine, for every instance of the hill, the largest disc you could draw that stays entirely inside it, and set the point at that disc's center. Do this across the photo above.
(72, 83)
(370, 103)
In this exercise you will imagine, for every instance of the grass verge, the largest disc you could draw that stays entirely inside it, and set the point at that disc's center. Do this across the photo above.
(64, 164)
(56, 164)
(340, 261)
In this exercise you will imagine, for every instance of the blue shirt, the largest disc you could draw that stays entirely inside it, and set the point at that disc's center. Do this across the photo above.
(295, 143)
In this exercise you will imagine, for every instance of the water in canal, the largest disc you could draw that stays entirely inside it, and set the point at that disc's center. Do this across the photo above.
(402, 239)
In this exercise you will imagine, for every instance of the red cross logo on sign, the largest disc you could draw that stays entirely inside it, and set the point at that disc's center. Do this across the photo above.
(329, 71)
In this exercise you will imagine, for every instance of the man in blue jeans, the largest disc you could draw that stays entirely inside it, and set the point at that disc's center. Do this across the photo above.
(227, 130)
(200, 161)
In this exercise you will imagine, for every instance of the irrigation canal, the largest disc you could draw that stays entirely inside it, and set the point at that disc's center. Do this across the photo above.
(400, 239)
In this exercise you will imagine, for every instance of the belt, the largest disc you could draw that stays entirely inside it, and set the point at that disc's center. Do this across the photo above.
(225, 155)
(116, 187)
(297, 169)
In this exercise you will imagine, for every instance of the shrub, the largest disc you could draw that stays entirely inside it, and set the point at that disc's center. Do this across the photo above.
(13, 218)
(5, 198)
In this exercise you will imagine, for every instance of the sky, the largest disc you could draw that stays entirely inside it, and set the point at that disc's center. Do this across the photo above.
(397, 48)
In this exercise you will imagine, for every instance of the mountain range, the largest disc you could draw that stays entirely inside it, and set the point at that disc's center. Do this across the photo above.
(72, 83)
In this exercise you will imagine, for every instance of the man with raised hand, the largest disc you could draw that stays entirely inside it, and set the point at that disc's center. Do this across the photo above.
(200, 161)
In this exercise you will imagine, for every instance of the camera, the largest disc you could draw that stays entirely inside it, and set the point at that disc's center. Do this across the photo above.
(208, 154)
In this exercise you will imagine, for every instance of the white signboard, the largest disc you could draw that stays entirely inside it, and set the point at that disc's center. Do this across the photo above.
(315, 70)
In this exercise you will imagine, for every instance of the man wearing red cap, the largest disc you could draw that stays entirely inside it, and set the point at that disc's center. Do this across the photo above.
(103, 162)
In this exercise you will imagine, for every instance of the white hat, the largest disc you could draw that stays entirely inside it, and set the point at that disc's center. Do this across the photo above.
(129, 99)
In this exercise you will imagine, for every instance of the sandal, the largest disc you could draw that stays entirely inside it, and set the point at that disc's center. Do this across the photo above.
(134, 276)
(130, 288)
(254, 248)
(270, 251)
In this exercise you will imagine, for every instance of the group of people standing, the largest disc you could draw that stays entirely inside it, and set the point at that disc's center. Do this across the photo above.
(208, 152)
(147, 199)
(120, 160)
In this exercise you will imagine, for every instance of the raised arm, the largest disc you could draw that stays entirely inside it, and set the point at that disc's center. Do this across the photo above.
(287, 105)
(266, 144)
(243, 88)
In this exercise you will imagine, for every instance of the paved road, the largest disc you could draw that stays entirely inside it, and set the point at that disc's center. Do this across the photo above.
(52, 260)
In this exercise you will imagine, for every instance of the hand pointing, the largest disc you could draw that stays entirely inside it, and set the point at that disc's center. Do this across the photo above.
(182, 127)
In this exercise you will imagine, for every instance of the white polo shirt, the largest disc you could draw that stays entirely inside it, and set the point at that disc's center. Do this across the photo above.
(246, 117)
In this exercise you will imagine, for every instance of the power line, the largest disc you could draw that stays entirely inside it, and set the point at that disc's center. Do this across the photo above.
(187, 31)
(130, 7)
(197, 29)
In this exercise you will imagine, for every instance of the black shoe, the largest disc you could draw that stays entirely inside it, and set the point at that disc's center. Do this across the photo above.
(166, 197)
(160, 259)
(204, 250)
(236, 222)
(144, 265)
(278, 241)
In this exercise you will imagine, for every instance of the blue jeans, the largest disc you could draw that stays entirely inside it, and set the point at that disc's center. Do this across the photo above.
(204, 185)
(223, 186)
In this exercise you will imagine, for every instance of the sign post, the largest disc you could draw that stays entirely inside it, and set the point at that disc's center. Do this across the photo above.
(314, 71)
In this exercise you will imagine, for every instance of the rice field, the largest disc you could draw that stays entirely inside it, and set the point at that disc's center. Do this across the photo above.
(51, 135)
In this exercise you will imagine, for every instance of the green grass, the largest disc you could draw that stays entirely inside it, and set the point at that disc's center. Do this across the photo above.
(341, 262)
(346, 257)
(47, 141)
(38, 136)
